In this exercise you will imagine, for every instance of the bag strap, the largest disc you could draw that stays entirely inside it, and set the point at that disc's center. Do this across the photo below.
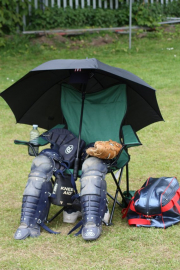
(46, 228)
(80, 223)
(139, 221)
(125, 210)
(173, 201)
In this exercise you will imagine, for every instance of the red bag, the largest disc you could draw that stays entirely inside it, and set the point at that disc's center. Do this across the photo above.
(156, 204)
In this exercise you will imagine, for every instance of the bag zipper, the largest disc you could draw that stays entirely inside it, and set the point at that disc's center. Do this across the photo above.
(149, 194)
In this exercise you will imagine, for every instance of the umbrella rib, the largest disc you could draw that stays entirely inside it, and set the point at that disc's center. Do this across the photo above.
(99, 82)
(40, 97)
(159, 113)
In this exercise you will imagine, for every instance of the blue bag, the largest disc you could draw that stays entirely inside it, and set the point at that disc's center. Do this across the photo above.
(155, 204)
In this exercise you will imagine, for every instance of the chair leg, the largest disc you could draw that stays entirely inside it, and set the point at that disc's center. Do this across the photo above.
(113, 198)
(112, 211)
(118, 185)
(57, 214)
(116, 194)
(127, 180)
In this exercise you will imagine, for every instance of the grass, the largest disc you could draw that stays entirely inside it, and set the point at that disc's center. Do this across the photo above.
(120, 246)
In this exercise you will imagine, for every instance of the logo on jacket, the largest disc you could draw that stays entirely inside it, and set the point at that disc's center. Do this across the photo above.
(69, 149)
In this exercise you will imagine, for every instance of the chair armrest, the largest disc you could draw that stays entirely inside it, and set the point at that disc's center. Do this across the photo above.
(21, 142)
(130, 138)
(40, 141)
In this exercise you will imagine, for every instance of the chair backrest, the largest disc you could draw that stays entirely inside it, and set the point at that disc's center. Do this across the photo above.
(103, 112)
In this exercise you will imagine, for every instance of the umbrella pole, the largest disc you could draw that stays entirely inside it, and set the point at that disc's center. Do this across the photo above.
(76, 163)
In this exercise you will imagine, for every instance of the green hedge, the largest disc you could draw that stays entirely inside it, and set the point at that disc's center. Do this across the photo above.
(69, 18)
(51, 18)
(142, 15)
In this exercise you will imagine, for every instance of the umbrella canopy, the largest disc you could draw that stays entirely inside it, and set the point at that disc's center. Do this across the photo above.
(35, 98)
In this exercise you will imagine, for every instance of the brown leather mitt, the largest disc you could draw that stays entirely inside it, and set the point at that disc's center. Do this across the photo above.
(104, 149)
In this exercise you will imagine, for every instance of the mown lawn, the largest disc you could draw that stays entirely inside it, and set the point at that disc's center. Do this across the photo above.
(156, 59)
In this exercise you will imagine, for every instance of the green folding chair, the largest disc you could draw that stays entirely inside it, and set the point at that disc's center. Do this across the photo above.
(103, 119)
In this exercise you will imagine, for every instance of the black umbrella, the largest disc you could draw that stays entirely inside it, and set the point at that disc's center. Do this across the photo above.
(35, 98)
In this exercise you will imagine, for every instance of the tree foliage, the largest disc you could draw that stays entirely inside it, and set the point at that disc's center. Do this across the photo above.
(11, 12)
